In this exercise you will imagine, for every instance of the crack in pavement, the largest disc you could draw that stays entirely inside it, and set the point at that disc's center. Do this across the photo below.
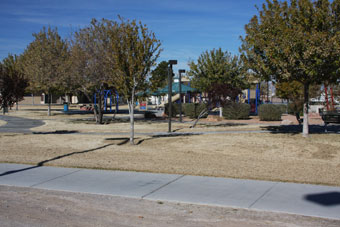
(157, 189)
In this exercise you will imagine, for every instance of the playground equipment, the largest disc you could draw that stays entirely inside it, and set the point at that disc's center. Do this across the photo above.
(108, 95)
(173, 99)
(326, 97)
(255, 105)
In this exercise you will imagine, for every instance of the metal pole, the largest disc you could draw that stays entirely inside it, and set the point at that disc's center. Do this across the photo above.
(171, 62)
(169, 96)
(249, 96)
(267, 91)
(117, 101)
(180, 93)
(256, 98)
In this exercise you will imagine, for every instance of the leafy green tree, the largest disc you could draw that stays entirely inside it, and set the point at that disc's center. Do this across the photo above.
(296, 41)
(135, 51)
(43, 62)
(91, 61)
(294, 92)
(336, 91)
(12, 82)
(219, 74)
(159, 76)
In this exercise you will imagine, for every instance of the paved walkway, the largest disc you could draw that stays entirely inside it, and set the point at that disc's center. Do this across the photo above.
(301, 199)
(23, 125)
(18, 124)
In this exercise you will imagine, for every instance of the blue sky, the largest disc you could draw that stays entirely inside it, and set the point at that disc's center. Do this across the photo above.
(186, 28)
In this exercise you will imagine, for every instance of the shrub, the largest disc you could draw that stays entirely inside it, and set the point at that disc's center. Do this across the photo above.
(294, 108)
(282, 107)
(270, 112)
(174, 109)
(192, 110)
(234, 111)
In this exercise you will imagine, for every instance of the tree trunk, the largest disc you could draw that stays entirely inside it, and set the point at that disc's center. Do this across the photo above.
(203, 112)
(49, 104)
(132, 121)
(100, 112)
(93, 103)
(16, 106)
(305, 131)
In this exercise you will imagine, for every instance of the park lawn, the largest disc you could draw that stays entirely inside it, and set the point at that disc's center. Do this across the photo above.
(262, 156)
(2, 123)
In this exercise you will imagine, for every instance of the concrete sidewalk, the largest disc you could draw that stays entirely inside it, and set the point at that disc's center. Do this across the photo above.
(301, 199)
(19, 124)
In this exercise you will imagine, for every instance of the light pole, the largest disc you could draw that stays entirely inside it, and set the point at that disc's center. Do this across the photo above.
(180, 93)
(170, 63)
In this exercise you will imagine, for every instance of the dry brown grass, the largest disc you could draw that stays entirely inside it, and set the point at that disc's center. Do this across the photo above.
(2, 123)
(251, 156)
(264, 156)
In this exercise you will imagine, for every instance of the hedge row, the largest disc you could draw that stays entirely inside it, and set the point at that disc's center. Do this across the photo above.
(235, 111)
(191, 110)
(174, 109)
(232, 111)
(270, 112)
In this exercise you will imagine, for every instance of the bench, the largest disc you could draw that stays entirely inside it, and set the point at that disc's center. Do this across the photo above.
(330, 117)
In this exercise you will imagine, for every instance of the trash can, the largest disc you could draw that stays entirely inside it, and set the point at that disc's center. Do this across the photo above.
(65, 106)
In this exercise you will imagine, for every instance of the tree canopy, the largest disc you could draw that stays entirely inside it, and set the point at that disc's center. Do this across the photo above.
(296, 41)
(159, 76)
(91, 61)
(44, 61)
(293, 91)
(219, 74)
(12, 82)
(135, 50)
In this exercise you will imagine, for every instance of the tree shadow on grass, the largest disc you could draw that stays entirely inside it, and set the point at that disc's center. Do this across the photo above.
(56, 132)
(124, 140)
(167, 135)
(228, 124)
(42, 163)
(297, 129)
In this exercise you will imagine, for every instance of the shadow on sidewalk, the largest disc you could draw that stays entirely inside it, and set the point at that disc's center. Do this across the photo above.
(42, 163)
(325, 199)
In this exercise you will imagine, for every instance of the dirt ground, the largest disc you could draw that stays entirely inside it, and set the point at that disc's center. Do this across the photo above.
(34, 207)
